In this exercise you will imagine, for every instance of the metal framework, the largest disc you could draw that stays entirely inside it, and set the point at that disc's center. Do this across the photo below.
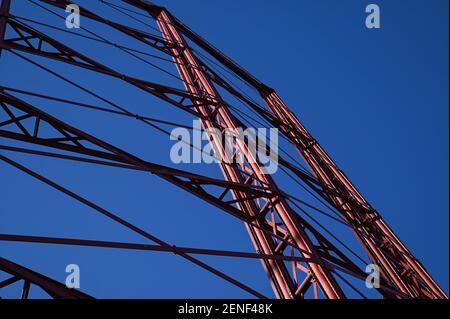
(53, 288)
(299, 258)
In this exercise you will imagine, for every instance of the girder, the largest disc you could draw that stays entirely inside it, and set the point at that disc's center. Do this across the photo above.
(296, 256)
(384, 248)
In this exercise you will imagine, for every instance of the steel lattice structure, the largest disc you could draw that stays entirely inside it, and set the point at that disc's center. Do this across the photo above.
(297, 256)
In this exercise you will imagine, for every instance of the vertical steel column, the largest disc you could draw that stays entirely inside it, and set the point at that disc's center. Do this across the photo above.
(4, 13)
(329, 174)
(332, 177)
(306, 145)
(197, 82)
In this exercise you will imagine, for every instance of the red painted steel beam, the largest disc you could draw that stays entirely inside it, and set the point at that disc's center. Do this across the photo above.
(376, 233)
(267, 228)
(113, 153)
(70, 56)
(196, 81)
(395, 260)
(277, 271)
(130, 226)
(201, 42)
(159, 90)
(334, 181)
(149, 39)
(119, 156)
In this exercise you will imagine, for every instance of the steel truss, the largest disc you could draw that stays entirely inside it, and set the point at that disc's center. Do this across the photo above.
(282, 237)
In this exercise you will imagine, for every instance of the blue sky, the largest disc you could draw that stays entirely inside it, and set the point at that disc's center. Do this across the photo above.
(376, 100)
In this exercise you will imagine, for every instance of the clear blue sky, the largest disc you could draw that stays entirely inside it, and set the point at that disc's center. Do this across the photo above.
(377, 101)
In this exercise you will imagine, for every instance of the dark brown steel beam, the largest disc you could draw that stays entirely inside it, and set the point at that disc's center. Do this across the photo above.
(201, 42)
(130, 226)
(132, 32)
(67, 55)
(4, 13)
(133, 246)
(51, 286)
